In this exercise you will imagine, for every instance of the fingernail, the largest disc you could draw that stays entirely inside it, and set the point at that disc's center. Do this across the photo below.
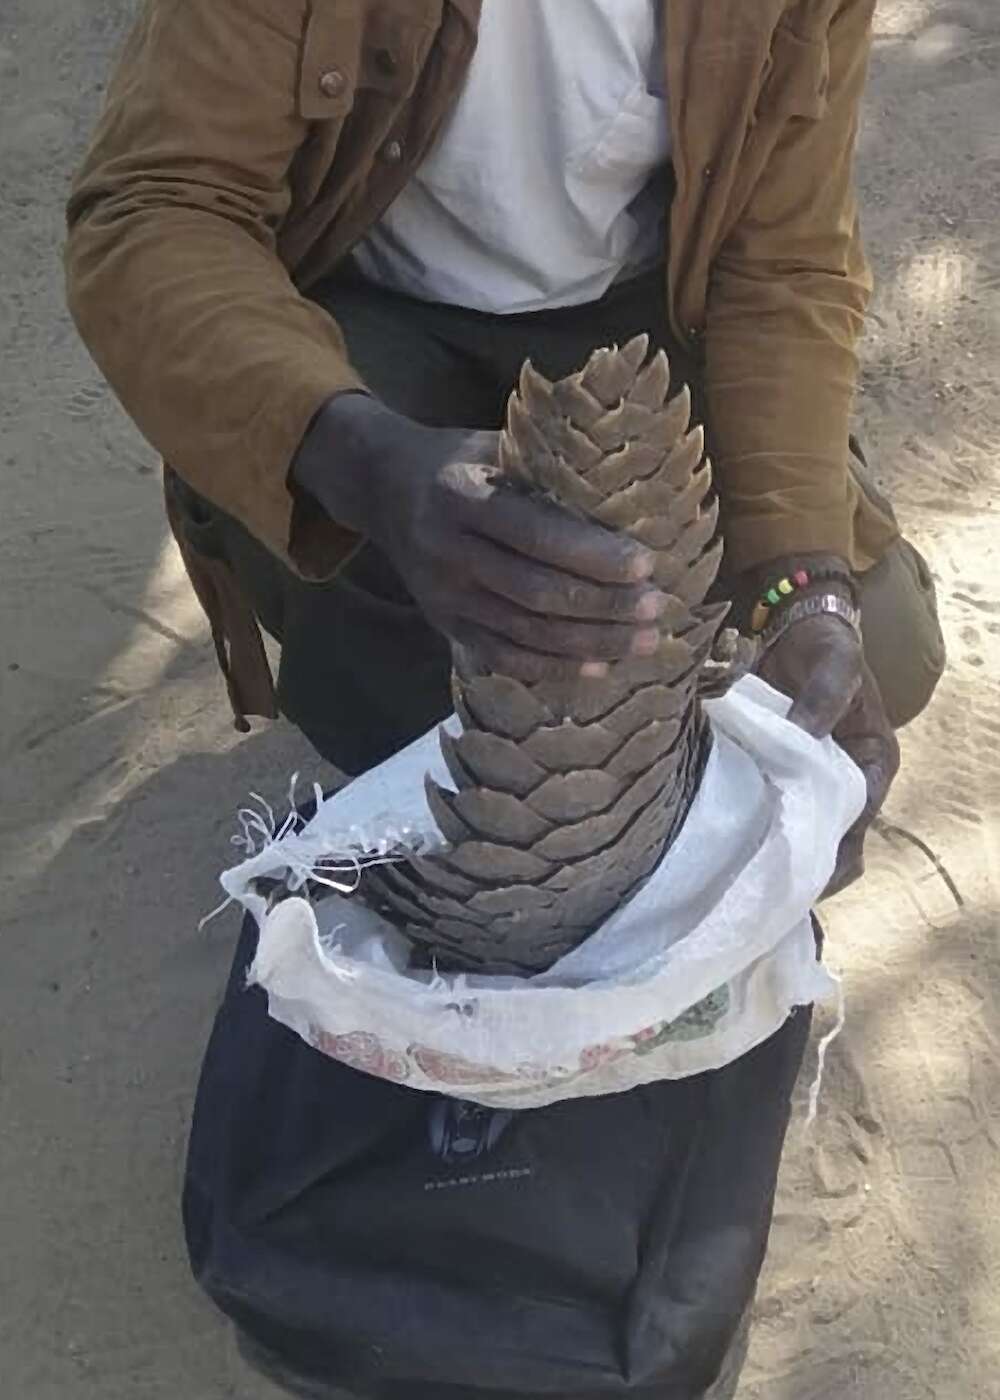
(594, 670)
(642, 565)
(646, 642)
(651, 606)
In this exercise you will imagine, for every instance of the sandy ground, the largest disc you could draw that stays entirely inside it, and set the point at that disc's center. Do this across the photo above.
(120, 777)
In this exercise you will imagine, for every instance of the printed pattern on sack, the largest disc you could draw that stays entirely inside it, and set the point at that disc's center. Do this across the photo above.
(452, 1069)
(700, 1021)
(364, 1051)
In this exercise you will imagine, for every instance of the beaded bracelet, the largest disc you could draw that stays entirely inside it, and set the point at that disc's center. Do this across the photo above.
(786, 588)
(816, 605)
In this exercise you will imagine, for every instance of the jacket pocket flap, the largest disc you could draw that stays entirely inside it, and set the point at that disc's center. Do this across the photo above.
(798, 76)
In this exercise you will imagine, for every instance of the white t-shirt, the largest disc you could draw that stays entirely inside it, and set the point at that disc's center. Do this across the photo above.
(541, 190)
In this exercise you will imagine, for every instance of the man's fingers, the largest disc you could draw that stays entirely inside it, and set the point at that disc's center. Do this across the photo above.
(508, 659)
(537, 588)
(828, 690)
(868, 737)
(554, 636)
(877, 755)
(850, 862)
(550, 536)
(878, 758)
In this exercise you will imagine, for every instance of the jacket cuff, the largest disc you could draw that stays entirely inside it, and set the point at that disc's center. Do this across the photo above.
(288, 521)
(859, 532)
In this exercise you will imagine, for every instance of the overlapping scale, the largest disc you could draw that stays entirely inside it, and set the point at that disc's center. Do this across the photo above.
(565, 797)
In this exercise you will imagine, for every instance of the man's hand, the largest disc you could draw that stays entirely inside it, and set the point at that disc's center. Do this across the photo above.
(820, 664)
(533, 592)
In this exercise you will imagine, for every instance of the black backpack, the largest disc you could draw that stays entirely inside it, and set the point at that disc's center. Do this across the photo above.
(373, 1241)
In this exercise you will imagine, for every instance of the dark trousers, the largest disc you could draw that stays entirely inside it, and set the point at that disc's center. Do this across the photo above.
(362, 674)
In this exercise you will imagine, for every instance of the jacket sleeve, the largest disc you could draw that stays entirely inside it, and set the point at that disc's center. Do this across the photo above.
(786, 306)
(173, 275)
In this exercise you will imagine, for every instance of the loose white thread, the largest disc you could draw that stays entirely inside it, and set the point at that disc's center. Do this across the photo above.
(824, 1048)
(342, 873)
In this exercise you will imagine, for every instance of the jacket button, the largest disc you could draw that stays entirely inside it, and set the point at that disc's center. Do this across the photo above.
(332, 83)
(392, 152)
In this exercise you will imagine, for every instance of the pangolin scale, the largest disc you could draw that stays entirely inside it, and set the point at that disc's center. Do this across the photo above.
(566, 796)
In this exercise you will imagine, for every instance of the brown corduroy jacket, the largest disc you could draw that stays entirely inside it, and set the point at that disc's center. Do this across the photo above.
(246, 145)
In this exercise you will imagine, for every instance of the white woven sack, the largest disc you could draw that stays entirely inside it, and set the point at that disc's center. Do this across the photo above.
(704, 963)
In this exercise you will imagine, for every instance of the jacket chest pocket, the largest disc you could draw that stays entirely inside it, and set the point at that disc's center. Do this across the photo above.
(358, 49)
(796, 79)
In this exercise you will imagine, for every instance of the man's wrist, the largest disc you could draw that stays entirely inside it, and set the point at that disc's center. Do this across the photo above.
(821, 603)
(766, 590)
(338, 457)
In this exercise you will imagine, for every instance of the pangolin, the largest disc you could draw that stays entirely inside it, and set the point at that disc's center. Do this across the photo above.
(567, 795)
